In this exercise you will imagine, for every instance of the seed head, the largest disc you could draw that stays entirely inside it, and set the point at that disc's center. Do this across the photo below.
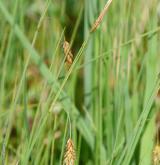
(67, 52)
(156, 155)
(70, 156)
(100, 17)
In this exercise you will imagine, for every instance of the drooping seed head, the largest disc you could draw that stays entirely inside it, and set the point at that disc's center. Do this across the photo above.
(67, 52)
(70, 156)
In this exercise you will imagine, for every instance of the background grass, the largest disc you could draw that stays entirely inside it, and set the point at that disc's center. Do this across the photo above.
(108, 96)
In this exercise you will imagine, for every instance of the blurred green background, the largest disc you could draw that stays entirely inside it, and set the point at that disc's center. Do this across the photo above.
(106, 101)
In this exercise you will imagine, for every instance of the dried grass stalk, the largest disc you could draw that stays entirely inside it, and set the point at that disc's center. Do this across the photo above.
(99, 19)
(67, 52)
(70, 156)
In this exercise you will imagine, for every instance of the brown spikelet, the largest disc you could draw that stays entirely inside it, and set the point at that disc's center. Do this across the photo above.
(156, 155)
(101, 15)
(67, 52)
(70, 156)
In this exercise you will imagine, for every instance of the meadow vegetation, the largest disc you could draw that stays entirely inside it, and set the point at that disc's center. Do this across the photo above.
(75, 93)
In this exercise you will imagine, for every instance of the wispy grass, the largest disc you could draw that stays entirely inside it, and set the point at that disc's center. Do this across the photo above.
(104, 101)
